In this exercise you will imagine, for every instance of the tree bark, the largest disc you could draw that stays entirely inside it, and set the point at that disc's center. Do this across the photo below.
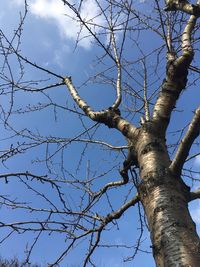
(165, 198)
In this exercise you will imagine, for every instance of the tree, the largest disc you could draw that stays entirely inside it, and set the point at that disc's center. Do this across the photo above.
(147, 53)
(12, 263)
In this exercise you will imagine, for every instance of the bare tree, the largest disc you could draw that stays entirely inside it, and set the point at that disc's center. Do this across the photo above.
(12, 263)
(146, 59)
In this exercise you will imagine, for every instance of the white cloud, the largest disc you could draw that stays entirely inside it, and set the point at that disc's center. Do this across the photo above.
(56, 12)
(2, 14)
(18, 2)
(58, 56)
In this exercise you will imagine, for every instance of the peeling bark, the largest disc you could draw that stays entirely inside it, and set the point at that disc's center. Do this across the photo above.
(173, 233)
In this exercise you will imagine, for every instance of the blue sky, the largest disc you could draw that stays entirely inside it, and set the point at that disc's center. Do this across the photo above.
(49, 38)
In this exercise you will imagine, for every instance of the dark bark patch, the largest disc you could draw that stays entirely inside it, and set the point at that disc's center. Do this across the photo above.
(178, 224)
(85, 108)
(160, 208)
(152, 146)
(125, 129)
(111, 118)
(164, 120)
(169, 91)
(156, 250)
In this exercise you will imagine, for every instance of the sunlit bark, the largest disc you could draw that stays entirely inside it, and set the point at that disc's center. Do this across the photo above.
(165, 199)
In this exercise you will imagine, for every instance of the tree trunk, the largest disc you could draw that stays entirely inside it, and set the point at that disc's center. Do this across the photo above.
(165, 200)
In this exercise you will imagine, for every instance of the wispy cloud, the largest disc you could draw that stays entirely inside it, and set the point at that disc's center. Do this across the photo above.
(56, 12)
(18, 2)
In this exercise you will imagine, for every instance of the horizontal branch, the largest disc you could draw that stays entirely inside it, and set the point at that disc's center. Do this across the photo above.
(55, 140)
(42, 179)
(186, 143)
(195, 69)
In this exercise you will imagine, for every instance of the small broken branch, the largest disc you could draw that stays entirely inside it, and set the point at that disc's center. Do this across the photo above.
(195, 195)
(129, 161)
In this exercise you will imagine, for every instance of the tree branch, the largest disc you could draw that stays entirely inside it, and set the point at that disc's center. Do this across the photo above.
(129, 161)
(193, 156)
(84, 106)
(110, 117)
(195, 195)
(118, 82)
(186, 143)
(184, 6)
(109, 218)
(146, 103)
(176, 77)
